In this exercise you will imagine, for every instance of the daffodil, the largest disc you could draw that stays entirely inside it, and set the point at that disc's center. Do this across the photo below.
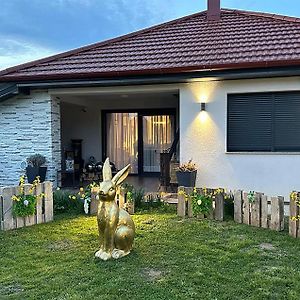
(15, 198)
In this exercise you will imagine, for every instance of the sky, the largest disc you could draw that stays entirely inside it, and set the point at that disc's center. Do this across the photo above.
(32, 29)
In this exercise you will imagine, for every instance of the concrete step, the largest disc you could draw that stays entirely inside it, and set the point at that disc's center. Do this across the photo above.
(170, 198)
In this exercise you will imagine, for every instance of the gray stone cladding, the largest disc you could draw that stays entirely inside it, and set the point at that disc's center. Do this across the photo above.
(29, 124)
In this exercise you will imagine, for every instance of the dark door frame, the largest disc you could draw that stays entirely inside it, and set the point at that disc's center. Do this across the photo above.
(141, 113)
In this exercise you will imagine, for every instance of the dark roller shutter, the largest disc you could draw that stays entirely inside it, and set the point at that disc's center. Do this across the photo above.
(287, 121)
(264, 122)
(249, 123)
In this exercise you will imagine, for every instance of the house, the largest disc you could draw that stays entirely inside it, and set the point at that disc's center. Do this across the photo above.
(126, 98)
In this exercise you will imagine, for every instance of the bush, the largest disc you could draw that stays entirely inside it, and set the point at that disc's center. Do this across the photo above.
(36, 160)
(65, 201)
(141, 201)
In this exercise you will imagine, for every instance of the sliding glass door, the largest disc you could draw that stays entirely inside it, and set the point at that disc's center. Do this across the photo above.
(158, 136)
(122, 139)
(138, 138)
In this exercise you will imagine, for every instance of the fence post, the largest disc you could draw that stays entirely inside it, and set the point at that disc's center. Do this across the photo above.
(246, 209)
(188, 191)
(238, 207)
(29, 220)
(20, 221)
(294, 212)
(277, 213)
(8, 220)
(219, 209)
(48, 201)
(121, 193)
(181, 202)
(264, 211)
(39, 204)
(255, 210)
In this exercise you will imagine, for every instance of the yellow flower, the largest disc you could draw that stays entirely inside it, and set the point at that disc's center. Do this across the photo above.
(15, 198)
(294, 196)
(74, 197)
(81, 189)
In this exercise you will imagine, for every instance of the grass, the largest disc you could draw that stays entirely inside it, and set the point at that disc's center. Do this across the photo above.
(172, 259)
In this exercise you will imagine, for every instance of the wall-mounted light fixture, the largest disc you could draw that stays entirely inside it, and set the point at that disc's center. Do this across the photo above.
(203, 106)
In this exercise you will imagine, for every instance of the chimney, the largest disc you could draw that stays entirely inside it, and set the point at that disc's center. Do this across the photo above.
(213, 10)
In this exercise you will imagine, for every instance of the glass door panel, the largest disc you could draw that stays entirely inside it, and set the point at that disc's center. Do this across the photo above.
(122, 139)
(158, 135)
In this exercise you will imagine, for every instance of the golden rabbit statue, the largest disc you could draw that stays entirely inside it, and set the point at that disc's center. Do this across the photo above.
(116, 228)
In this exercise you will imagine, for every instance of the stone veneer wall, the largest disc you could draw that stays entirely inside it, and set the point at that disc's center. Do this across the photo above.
(29, 124)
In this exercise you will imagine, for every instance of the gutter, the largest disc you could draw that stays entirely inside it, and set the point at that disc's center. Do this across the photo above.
(165, 78)
(12, 89)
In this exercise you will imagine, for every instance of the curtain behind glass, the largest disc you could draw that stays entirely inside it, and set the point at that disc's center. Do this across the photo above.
(158, 135)
(122, 139)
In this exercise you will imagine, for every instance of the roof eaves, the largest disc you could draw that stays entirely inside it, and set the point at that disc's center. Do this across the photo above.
(162, 71)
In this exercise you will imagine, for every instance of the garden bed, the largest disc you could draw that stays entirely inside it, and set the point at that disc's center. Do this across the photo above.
(173, 258)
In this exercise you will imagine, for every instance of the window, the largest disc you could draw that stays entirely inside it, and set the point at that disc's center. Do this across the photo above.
(266, 122)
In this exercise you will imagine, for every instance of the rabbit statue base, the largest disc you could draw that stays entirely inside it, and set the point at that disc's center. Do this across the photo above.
(116, 228)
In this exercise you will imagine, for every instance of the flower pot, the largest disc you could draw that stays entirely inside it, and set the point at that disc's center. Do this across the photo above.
(33, 172)
(186, 179)
(42, 173)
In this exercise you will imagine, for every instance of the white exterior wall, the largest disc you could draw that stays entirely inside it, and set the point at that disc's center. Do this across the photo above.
(203, 138)
(28, 125)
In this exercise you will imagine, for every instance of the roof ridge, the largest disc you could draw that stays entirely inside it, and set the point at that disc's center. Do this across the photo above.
(263, 14)
(97, 44)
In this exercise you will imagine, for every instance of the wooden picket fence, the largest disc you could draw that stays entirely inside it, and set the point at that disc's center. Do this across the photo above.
(184, 207)
(44, 207)
(294, 225)
(263, 211)
(120, 199)
(256, 213)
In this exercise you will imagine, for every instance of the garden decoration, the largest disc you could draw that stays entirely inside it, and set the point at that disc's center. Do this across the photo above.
(36, 168)
(116, 228)
(186, 174)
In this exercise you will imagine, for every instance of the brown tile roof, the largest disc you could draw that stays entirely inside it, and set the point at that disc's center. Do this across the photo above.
(241, 39)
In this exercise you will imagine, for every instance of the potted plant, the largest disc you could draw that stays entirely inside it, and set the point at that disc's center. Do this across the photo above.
(36, 168)
(186, 174)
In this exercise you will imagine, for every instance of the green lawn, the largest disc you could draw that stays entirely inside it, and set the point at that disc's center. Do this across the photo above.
(172, 259)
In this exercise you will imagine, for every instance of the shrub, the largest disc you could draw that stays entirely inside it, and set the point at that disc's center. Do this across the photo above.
(138, 196)
(187, 167)
(36, 160)
(65, 201)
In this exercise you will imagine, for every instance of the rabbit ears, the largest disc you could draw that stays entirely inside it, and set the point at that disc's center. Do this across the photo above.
(119, 177)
